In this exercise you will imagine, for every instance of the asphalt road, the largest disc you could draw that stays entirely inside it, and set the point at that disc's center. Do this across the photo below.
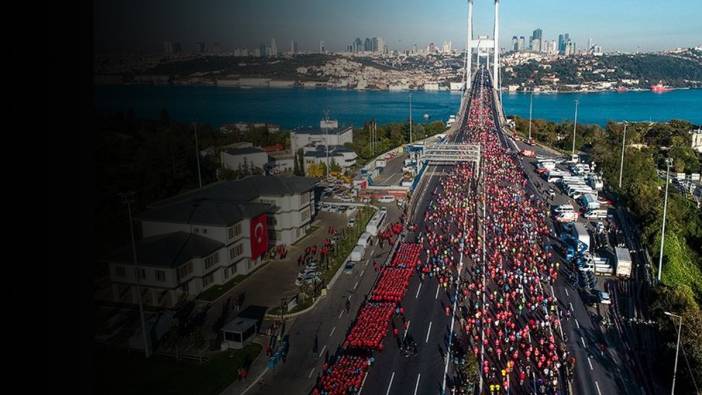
(328, 321)
(597, 372)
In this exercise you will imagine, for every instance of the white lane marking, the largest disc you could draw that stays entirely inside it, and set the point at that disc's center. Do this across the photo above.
(363, 383)
(390, 384)
(583, 340)
(438, 286)
(406, 329)
(418, 288)
(332, 331)
(340, 313)
(363, 272)
(598, 388)
(355, 286)
(577, 324)
(416, 386)
(552, 293)
(590, 363)
(571, 307)
(323, 348)
(310, 375)
(566, 289)
(428, 330)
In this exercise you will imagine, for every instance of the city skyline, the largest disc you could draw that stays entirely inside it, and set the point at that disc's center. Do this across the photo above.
(625, 26)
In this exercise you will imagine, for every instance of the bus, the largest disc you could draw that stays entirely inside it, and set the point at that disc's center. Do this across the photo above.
(375, 223)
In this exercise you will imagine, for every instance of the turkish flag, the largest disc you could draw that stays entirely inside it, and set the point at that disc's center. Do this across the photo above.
(259, 235)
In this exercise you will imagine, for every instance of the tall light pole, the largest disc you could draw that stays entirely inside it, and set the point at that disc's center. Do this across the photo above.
(469, 47)
(197, 155)
(575, 124)
(531, 104)
(496, 37)
(621, 164)
(677, 348)
(128, 199)
(668, 163)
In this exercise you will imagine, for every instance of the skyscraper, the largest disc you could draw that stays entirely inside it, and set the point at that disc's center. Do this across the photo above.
(274, 48)
(368, 45)
(200, 47)
(515, 43)
(374, 44)
(381, 45)
(293, 47)
(563, 40)
(168, 47)
(537, 34)
(536, 39)
(322, 49)
(522, 45)
(357, 45)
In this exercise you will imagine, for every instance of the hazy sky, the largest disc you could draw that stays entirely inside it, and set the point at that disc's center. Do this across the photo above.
(615, 24)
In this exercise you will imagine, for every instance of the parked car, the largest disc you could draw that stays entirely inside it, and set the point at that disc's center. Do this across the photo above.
(386, 199)
(348, 267)
(603, 297)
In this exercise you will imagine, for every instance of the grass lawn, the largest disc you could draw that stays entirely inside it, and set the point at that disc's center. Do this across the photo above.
(122, 372)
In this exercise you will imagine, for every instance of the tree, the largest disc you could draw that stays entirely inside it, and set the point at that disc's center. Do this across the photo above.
(301, 157)
(334, 166)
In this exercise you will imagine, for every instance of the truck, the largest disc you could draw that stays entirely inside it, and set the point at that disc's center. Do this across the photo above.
(595, 182)
(380, 162)
(357, 253)
(528, 153)
(590, 201)
(580, 233)
(623, 262)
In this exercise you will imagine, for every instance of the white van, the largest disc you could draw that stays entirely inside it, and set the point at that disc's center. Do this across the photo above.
(364, 239)
(564, 208)
(593, 214)
(568, 216)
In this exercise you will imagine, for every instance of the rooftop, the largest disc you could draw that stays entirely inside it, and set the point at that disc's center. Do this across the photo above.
(203, 211)
(315, 131)
(244, 151)
(245, 189)
(169, 250)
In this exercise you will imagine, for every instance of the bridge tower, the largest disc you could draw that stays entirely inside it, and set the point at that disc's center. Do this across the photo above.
(483, 44)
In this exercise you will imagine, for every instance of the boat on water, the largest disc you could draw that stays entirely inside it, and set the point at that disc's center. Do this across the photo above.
(659, 87)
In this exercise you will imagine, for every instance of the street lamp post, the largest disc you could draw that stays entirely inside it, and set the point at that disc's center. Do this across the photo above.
(575, 124)
(668, 163)
(197, 156)
(621, 165)
(677, 348)
(410, 117)
(127, 198)
(531, 104)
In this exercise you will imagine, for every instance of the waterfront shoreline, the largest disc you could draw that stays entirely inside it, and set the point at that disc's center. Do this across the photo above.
(304, 107)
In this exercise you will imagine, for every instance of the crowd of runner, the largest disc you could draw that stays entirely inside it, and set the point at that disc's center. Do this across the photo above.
(505, 317)
(482, 241)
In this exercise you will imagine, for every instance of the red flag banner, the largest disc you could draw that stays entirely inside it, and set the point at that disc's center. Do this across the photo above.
(259, 235)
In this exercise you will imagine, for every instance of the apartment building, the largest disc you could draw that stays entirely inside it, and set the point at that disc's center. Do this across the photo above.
(203, 238)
